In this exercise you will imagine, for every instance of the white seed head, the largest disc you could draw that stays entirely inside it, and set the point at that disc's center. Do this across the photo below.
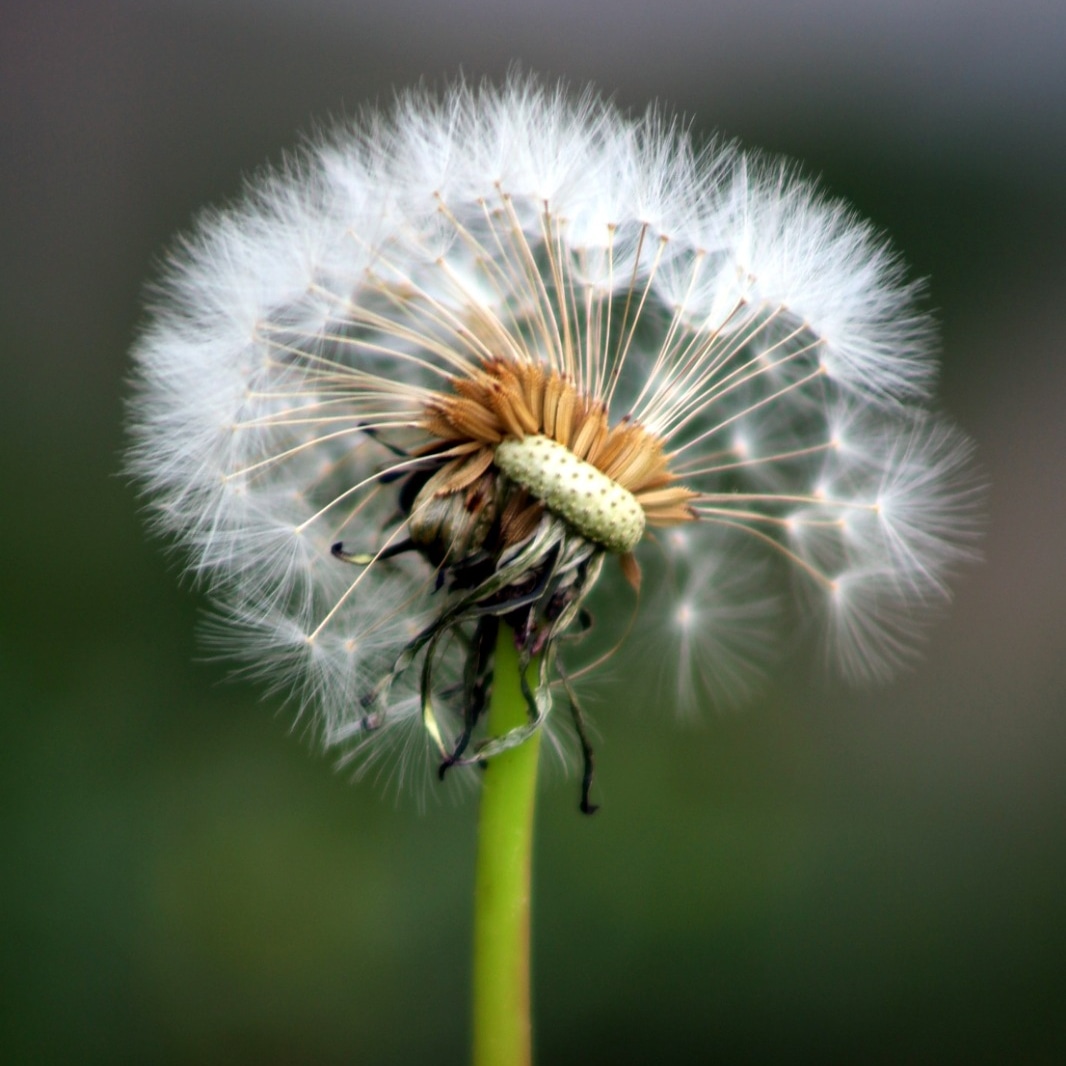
(435, 369)
(591, 502)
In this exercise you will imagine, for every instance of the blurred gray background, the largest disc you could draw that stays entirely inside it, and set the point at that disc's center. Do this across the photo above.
(831, 875)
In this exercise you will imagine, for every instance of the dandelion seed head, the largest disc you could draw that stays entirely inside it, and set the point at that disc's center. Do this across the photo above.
(437, 370)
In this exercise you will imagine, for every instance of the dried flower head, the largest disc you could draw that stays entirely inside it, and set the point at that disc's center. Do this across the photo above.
(443, 372)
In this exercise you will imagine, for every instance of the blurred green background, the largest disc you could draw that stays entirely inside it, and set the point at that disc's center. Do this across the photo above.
(830, 875)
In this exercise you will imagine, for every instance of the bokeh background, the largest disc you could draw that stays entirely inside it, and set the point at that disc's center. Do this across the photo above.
(833, 875)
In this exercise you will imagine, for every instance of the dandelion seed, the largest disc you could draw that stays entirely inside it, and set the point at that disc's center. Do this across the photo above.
(447, 371)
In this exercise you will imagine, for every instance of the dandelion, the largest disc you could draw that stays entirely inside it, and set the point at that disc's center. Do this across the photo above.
(436, 378)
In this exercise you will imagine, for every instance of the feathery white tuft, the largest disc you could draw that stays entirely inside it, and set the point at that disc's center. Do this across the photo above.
(762, 333)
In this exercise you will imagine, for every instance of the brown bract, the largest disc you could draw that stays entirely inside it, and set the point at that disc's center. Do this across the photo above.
(506, 399)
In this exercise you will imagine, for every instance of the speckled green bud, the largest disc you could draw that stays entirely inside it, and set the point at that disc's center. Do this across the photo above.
(588, 499)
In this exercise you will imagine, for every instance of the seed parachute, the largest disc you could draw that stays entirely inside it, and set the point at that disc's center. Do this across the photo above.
(444, 373)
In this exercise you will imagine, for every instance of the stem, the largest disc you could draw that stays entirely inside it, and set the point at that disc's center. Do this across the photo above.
(502, 1027)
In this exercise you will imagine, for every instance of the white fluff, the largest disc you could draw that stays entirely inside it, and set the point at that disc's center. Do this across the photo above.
(763, 331)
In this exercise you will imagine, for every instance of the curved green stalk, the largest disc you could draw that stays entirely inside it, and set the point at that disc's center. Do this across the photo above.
(502, 1024)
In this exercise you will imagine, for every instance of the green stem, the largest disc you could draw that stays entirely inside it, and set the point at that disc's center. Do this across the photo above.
(502, 1025)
